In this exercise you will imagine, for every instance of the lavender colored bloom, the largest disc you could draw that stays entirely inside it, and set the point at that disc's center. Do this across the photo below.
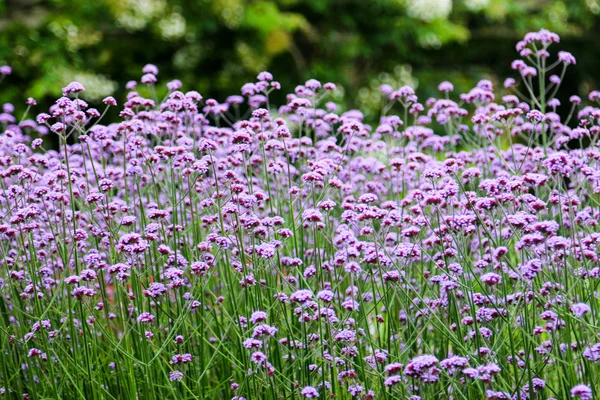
(155, 290)
(313, 84)
(309, 392)
(580, 309)
(453, 364)
(150, 69)
(301, 296)
(509, 82)
(424, 368)
(258, 316)
(252, 343)
(73, 87)
(392, 380)
(445, 87)
(582, 392)
(312, 215)
(181, 359)
(176, 376)
(325, 295)
(566, 57)
(174, 85)
(110, 101)
(58, 127)
(258, 357)
(235, 100)
(33, 352)
(146, 317)
(36, 143)
(554, 103)
(592, 353)
(265, 76)
(491, 278)
(132, 243)
(148, 78)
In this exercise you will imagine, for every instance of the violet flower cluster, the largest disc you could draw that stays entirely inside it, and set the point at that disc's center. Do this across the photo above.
(229, 250)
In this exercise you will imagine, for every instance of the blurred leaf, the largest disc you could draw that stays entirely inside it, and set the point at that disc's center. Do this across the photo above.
(217, 45)
(265, 17)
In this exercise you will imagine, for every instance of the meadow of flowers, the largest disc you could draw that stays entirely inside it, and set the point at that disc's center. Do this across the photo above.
(206, 250)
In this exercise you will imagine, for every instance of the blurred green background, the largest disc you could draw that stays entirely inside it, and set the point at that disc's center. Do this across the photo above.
(215, 46)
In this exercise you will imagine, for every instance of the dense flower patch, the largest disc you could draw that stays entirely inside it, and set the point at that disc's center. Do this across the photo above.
(192, 251)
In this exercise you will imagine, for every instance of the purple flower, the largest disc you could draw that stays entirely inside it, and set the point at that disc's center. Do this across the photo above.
(592, 352)
(174, 85)
(263, 330)
(575, 99)
(110, 101)
(36, 143)
(313, 84)
(150, 69)
(235, 100)
(33, 352)
(301, 296)
(155, 290)
(325, 296)
(453, 364)
(424, 368)
(145, 317)
(132, 243)
(258, 316)
(266, 250)
(446, 87)
(73, 87)
(265, 76)
(582, 392)
(258, 357)
(392, 380)
(554, 103)
(329, 86)
(148, 79)
(252, 343)
(181, 359)
(491, 278)
(176, 376)
(580, 309)
(309, 392)
(58, 127)
(312, 215)
(566, 57)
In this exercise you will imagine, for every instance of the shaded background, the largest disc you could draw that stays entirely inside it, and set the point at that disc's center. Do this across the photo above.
(215, 46)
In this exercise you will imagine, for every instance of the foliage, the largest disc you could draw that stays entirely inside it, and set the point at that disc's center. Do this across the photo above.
(217, 45)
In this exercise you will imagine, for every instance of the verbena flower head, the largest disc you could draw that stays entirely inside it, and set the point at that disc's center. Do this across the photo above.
(582, 392)
(73, 87)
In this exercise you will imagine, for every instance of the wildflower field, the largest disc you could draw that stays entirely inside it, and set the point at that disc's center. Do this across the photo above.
(246, 250)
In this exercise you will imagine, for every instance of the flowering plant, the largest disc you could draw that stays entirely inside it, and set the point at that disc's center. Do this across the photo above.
(194, 251)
